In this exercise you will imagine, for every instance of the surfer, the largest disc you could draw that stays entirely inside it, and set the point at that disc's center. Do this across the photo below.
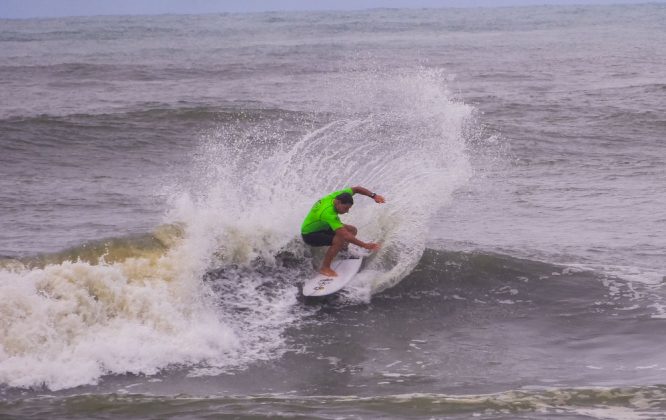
(322, 226)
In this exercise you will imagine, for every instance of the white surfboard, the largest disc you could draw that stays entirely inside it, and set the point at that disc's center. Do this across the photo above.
(321, 285)
(346, 265)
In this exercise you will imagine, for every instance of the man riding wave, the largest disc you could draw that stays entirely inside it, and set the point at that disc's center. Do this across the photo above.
(322, 225)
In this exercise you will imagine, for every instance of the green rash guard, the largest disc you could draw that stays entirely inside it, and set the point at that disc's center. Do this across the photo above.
(323, 215)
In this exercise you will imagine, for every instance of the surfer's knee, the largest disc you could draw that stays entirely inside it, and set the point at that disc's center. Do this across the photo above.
(338, 238)
(351, 229)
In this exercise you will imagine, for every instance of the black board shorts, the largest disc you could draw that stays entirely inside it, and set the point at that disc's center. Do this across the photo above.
(319, 238)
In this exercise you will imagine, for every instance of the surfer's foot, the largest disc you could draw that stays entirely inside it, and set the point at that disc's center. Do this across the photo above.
(328, 272)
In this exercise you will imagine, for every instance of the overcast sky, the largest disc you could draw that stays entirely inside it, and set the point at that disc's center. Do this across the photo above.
(57, 8)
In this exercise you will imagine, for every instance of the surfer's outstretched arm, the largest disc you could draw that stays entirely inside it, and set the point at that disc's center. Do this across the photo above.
(364, 191)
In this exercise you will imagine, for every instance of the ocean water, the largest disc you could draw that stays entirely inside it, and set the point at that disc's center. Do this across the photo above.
(154, 172)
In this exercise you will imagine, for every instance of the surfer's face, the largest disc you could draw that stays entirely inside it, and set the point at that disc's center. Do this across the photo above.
(342, 208)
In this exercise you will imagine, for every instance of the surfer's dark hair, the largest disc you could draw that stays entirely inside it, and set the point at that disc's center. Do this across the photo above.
(345, 198)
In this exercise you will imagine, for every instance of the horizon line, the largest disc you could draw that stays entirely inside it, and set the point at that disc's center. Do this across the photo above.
(482, 5)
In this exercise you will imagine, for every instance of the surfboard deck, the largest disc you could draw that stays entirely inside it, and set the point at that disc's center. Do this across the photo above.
(321, 285)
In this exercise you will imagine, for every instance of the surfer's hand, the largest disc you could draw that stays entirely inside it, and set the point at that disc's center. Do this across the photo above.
(379, 199)
(371, 246)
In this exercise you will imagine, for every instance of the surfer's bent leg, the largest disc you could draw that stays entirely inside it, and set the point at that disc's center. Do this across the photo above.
(351, 229)
(339, 242)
